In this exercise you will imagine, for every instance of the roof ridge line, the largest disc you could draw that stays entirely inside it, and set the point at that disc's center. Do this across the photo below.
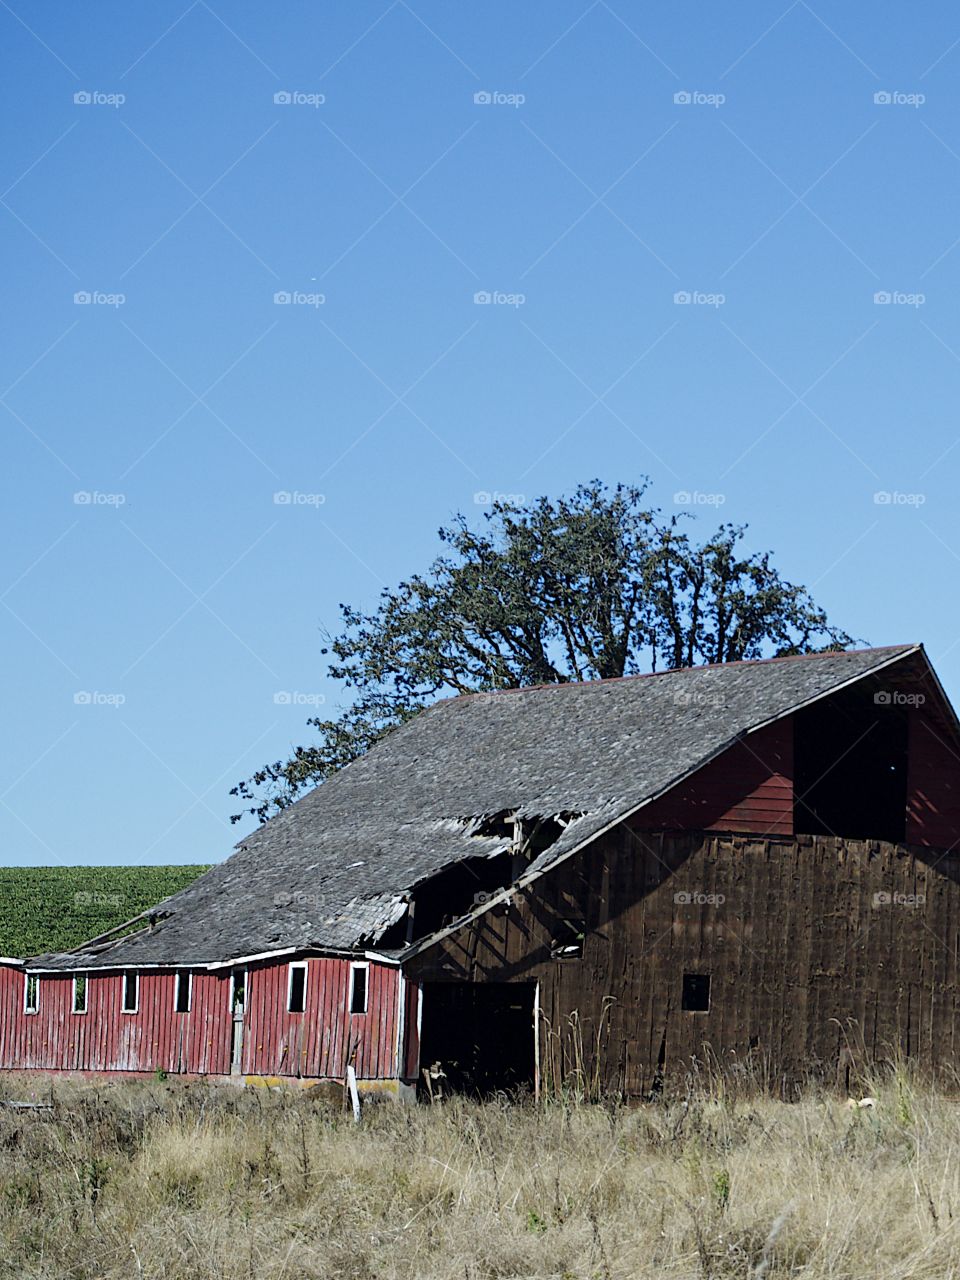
(678, 671)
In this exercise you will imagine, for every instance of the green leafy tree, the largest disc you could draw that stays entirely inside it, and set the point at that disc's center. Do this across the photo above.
(581, 588)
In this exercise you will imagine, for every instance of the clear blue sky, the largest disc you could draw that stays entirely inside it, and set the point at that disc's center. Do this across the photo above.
(183, 588)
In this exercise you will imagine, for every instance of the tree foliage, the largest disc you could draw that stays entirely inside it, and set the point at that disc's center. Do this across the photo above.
(588, 587)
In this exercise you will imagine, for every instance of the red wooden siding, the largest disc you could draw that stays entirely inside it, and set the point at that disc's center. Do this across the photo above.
(749, 788)
(316, 1043)
(324, 1039)
(106, 1039)
(933, 783)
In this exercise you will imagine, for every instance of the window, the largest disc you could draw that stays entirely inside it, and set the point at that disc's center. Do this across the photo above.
(568, 940)
(31, 993)
(296, 988)
(358, 988)
(80, 993)
(238, 992)
(131, 992)
(183, 991)
(696, 993)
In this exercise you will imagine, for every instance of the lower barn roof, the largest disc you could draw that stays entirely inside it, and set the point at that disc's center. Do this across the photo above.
(335, 869)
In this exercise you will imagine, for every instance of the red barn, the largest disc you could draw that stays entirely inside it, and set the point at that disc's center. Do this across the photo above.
(751, 863)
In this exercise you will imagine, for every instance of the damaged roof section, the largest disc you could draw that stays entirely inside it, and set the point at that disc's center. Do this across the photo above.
(494, 785)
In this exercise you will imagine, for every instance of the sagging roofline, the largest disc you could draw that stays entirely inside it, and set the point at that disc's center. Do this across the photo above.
(503, 896)
(106, 941)
(199, 966)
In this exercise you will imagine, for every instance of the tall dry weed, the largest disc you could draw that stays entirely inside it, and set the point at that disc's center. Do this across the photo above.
(174, 1181)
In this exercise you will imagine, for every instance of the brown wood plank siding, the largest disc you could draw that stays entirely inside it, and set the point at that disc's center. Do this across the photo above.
(821, 952)
(748, 788)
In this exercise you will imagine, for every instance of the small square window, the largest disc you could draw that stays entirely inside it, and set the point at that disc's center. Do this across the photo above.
(358, 988)
(80, 993)
(568, 941)
(31, 993)
(131, 992)
(297, 988)
(183, 992)
(696, 993)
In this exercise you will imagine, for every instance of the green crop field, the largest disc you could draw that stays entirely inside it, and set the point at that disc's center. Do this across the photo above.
(56, 908)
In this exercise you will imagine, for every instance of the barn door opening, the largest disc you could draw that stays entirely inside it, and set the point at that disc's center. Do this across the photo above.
(850, 766)
(482, 1035)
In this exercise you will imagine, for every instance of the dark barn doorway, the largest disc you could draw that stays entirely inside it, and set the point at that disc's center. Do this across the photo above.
(482, 1034)
(850, 766)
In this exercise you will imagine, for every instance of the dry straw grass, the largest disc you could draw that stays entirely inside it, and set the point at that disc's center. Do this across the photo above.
(190, 1182)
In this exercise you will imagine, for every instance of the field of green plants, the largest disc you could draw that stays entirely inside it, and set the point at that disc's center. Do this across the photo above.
(55, 908)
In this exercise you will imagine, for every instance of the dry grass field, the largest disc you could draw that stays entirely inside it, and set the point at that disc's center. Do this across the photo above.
(190, 1182)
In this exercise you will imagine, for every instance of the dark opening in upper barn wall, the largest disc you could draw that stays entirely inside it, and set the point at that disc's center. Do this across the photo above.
(457, 889)
(850, 766)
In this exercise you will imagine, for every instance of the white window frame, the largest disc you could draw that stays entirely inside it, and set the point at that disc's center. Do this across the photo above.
(35, 979)
(130, 974)
(234, 972)
(86, 994)
(297, 964)
(354, 966)
(180, 976)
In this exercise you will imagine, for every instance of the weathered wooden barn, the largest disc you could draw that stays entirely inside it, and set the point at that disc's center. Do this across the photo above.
(749, 863)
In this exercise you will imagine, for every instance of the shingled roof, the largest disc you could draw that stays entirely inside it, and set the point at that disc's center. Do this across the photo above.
(335, 870)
